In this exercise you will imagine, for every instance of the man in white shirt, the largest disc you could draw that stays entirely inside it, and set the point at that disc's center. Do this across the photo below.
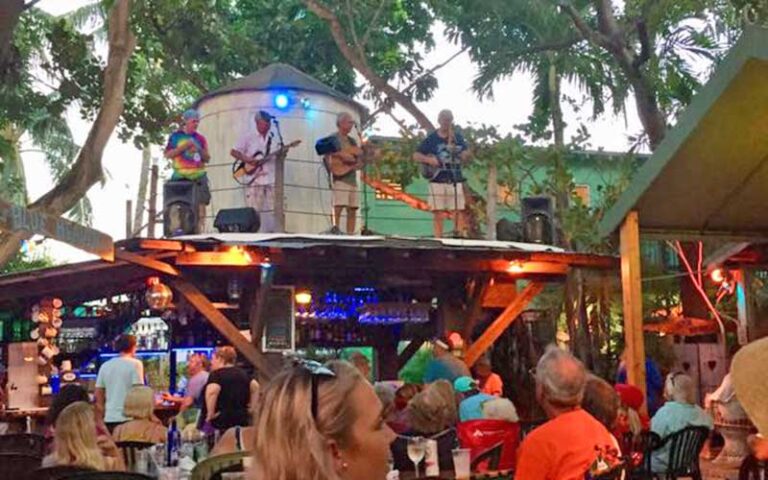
(115, 379)
(259, 185)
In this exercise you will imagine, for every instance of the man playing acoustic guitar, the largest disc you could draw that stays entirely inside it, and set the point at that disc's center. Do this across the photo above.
(345, 192)
(258, 178)
(442, 154)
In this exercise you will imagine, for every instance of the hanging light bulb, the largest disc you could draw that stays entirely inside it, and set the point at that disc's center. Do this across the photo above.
(158, 296)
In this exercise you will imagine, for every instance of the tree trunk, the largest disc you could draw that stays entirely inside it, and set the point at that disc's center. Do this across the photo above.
(13, 181)
(558, 124)
(87, 170)
(141, 196)
(10, 12)
(651, 117)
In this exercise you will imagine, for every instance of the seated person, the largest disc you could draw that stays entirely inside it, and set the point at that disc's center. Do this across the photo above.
(630, 418)
(75, 441)
(500, 409)
(601, 401)
(471, 406)
(568, 445)
(726, 402)
(143, 426)
(432, 415)
(235, 439)
(398, 416)
(489, 382)
(679, 412)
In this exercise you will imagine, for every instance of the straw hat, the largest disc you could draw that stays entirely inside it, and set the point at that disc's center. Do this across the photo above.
(750, 379)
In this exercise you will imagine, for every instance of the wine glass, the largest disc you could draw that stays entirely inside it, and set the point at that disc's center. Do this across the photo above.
(416, 450)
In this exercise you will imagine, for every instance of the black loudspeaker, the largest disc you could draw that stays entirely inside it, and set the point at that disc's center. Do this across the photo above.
(327, 145)
(509, 231)
(180, 207)
(537, 215)
(237, 220)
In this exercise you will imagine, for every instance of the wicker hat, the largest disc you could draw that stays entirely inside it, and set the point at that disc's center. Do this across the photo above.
(750, 379)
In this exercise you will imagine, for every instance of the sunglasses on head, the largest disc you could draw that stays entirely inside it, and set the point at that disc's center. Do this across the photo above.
(317, 371)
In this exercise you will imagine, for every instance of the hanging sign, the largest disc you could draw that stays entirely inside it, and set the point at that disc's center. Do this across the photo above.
(278, 312)
(15, 217)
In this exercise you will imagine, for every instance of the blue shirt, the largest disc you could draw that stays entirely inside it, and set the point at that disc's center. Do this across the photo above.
(471, 408)
(116, 377)
(447, 367)
(671, 418)
(654, 384)
(450, 169)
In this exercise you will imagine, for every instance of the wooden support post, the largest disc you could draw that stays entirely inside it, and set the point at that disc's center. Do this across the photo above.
(632, 296)
(128, 219)
(490, 203)
(148, 262)
(220, 322)
(279, 192)
(475, 307)
(255, 317)
(409, 352)
(153, 179)
(502, 322)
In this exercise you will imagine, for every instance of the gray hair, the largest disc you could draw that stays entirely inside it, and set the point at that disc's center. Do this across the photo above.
(342, 116)
(680, 388)
(444, 113)
(562, 377)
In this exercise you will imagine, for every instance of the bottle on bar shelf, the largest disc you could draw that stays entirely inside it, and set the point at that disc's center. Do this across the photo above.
(172, 445)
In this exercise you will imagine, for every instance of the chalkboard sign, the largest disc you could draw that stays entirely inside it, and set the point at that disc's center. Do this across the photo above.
(279, 332)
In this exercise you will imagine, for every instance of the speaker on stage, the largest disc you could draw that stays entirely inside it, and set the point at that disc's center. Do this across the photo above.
(326, 145)
(537, 214)
(509, 231)
(230, 220)
(180, 207)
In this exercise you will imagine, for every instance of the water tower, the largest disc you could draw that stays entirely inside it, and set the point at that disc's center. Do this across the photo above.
(306, 109)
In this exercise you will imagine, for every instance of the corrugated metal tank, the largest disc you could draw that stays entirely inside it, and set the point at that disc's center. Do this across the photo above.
(227, 116)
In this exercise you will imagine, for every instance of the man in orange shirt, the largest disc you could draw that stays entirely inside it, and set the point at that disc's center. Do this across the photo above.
(490, 383)
(569, 444)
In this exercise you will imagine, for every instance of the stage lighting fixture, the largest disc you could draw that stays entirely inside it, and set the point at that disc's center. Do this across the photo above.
(281, 101)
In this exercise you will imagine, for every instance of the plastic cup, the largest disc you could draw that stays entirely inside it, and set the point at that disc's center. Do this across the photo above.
(461, 463)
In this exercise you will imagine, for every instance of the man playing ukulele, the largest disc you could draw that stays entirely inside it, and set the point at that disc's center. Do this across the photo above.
(259, 185)
(345, 192)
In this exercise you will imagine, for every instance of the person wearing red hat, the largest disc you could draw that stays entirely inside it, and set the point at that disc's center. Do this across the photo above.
(630, 418)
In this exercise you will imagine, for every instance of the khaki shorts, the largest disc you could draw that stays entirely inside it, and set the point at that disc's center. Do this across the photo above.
(441, 197)
(345, 195)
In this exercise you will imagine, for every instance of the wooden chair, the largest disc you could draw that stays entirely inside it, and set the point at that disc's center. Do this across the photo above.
(96, 475)
(213, 467)
(492, 456)
(18, 466)
(753, 469)
(129, 450)
(58, 472)
(26, 443)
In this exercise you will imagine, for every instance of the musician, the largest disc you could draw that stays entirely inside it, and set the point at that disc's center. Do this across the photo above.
(345, 192)
(445, 150)
(259, 187)
(188, 150)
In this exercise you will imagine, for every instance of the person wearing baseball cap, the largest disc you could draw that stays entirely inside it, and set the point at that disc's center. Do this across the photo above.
(188, 151)
(444, 365)
(471, 407)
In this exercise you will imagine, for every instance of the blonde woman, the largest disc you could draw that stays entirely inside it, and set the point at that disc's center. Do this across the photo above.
(432, 414)
(75, 442)
(143, 426)
(318, 422)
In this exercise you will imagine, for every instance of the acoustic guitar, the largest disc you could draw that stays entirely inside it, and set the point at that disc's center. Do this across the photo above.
(245, 173)
(339, 166)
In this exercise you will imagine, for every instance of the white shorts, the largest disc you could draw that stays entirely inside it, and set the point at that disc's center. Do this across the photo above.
(441, 197)
(345, 195)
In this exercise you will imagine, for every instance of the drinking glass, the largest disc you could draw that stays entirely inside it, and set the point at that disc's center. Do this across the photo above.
(416, 450)
(461, 463)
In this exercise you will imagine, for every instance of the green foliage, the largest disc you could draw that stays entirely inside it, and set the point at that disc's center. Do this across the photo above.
(23, 262)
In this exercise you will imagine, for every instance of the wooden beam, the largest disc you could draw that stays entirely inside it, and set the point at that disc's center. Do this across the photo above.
(219, 321)
(502, 322)
(409, 352)
(159, 244)
(632, 297)
(146, 262)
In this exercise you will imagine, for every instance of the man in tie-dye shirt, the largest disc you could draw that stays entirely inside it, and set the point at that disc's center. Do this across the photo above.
(188, 151)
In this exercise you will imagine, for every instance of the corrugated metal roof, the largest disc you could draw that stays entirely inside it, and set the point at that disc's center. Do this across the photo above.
(281, 76)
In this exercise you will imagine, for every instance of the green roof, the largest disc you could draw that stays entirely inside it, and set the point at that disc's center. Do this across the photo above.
(709, 176)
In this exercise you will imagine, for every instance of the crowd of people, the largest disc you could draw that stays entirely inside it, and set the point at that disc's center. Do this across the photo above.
(349, 427)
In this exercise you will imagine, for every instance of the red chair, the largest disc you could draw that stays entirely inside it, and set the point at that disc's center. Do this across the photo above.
(481, 435)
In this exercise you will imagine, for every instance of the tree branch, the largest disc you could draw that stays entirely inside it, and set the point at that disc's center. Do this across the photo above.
(584, 29)
(372, 23)
(645, 45)
(87, 169)
(359, 63)
(434, 69)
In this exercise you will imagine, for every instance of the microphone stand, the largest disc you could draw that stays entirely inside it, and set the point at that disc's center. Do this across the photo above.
(364, 230)
(278, 191)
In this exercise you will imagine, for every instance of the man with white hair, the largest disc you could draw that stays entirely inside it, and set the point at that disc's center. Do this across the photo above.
(344, 187)
(442, 154)
(565, 447)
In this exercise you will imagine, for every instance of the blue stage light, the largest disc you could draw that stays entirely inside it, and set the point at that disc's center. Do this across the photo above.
(281, 101)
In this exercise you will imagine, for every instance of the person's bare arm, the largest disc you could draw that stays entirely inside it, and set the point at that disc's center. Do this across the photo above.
(226, 443)
(426, 159)
(237, 154)
(204, 155)
(175, 151)
(211, 396)
(465, 155)
(101, 399)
